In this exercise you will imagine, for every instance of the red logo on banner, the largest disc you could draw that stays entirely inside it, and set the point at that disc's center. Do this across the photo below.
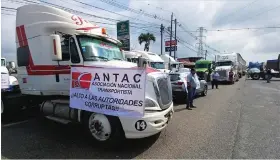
(81, 80)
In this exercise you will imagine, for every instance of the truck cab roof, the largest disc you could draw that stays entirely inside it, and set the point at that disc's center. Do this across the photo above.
(44, 20)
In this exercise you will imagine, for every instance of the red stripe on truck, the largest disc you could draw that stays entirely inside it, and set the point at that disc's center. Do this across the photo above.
(19, 36)
(33, 69)
(23, 35)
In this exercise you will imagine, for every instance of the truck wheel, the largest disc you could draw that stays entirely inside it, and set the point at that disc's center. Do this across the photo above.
(104, 129)
(240, 75)
(204, 93)
(256, 76)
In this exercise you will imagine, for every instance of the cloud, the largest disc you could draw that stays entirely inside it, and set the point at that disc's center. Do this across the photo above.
(254, 45)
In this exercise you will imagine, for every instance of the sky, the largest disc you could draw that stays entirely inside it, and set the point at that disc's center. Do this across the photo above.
(219, 18)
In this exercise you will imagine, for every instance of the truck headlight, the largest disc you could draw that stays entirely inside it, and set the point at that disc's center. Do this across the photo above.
(149, 103)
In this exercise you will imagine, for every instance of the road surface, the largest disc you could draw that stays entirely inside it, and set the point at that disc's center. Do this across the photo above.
(234, 121)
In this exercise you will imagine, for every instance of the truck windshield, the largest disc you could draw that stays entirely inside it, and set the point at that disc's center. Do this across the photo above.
(3, 62)
(94, 49)
(157, 65)
(201, 65)
(225, 63)
(174, 77)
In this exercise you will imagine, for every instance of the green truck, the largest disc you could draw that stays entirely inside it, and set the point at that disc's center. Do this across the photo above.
(204, 68)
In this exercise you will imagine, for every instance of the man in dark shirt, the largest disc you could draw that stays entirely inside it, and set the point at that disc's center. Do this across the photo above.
(268, 75)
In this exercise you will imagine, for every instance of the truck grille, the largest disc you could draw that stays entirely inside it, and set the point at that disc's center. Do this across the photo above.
(165, 92)
(222, 73)
(201, 75)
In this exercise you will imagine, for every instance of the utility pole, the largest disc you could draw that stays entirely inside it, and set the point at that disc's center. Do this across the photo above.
(161, 34)
(205, 54)
(170, 40)
(200, 43)
(175, 39)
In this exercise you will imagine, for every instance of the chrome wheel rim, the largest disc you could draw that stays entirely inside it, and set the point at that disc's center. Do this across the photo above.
(99, 127)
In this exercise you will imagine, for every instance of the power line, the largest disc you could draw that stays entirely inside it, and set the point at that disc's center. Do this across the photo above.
(138, 27)
(241, 8)
(237, 29)
(110, 11)
(141, 12)
(91, 15)
(263, 12)
(183, 42)
(87, 14)
(160, 8)
(132, 10)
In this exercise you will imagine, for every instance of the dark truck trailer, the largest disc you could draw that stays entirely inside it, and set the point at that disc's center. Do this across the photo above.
(270, 64)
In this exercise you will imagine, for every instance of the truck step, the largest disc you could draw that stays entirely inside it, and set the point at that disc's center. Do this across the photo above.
(61, 101)
(60, 120)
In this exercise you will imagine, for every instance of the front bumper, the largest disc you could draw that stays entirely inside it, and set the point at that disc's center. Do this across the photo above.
(179, 94)
(223, 79)
(151, 124)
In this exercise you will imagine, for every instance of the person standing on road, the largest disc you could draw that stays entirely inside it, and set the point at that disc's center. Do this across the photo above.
(215, 78)
(191, 88)
(268, 75)
(231, 75)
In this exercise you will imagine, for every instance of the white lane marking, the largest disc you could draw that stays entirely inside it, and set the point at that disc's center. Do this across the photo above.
(16, 123)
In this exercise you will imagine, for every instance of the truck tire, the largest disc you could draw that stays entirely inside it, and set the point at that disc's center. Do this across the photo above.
(103, 129)
(256, 76)
(240, 75)
(204, 93)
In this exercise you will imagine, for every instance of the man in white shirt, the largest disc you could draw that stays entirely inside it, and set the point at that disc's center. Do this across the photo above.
(192, 84)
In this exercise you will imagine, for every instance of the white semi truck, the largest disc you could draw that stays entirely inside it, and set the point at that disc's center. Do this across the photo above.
(153, 59)
(9, 85)
(171, 63)
(227, 62)
(49, 41)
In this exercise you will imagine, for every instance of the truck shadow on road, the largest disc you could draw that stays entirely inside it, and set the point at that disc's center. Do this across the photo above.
(39, 138)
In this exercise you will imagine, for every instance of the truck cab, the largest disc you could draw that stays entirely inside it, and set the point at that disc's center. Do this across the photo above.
(169, 62)
(49, 41)
(154, 60)
(204, 68)
(12, 84)
(227, 62)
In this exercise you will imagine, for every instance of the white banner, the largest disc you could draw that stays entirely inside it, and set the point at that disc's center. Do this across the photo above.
(111, 91)
(5, 81)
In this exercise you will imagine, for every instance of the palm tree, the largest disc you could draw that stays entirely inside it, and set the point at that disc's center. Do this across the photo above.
(147, 38)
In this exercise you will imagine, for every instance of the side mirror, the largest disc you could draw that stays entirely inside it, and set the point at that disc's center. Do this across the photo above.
(55, 44)
(11, 65)
(142, 62)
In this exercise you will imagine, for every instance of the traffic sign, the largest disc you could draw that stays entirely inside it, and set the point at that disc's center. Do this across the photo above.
(173, 48)
(173, 43)
(123, 34)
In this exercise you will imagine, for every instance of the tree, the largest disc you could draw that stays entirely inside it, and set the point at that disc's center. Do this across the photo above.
(147, 38)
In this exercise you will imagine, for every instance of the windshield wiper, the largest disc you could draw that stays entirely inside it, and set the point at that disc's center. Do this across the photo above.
(117, 59)
(100, 57)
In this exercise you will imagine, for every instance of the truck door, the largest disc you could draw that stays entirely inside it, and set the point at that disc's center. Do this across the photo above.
(70, 56)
